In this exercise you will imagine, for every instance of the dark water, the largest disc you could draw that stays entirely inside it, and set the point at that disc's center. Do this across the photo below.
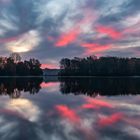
(69, 109)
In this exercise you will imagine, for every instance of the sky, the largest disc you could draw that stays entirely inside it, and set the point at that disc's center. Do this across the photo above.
(50, 30)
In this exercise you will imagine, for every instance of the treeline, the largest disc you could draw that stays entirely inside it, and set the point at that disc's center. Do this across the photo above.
(14, 86)
(100, 86)
(8, 67)
(103, 66)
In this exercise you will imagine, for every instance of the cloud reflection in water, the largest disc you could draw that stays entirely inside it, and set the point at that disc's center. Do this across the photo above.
(58, 116)
(24, 107)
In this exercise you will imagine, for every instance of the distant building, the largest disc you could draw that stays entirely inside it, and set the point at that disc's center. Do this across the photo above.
(50, 72)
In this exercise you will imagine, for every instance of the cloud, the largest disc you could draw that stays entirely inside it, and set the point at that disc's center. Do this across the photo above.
(5, 1)
(110, 120)
(23, 43)
(53, 29)
(100, 103)
(109, 31)
(92, 48)
(24, 107)
(8, 22)
(67, 38)
(68, 113)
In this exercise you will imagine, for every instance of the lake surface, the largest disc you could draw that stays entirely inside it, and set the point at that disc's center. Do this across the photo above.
(69, 108)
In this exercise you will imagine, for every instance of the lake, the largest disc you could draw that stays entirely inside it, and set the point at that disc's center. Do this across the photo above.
(52, 108)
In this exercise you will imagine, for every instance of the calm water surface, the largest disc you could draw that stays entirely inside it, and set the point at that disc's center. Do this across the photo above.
(70, 109)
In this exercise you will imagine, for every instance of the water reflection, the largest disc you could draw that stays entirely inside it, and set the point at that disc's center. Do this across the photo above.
(14, 86)
(86, 86)
(100, 86)
(57, 115)
(25, 108)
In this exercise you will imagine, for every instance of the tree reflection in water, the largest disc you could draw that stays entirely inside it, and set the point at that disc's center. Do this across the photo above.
(54, 116)
(100, 86)
(86, 86)
(14, 86)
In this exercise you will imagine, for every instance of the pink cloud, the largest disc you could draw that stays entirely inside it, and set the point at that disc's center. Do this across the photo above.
(114, 118)
(50, 66)
(48, 85)
(10, 39)
(94, 47)
(96, 104)
(109, 31)
(67, 38)
(72, 35)
(68, 113)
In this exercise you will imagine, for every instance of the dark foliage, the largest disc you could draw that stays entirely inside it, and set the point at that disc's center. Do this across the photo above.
(8, 67)
(14, 86)
(103, 66)
(100, 86)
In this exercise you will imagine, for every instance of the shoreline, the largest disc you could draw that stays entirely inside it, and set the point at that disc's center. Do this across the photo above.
(122, 76)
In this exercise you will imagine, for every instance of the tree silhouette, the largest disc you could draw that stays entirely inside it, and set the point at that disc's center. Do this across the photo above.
(13, 66)
(14, 86)
(103, 66)
(100, 86)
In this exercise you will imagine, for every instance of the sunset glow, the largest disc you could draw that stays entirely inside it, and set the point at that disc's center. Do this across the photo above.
(68, 113)
(92, 48)
(69, 69)
(69, 29)
(24, 43)
(110, 120)
(49, 66)
(67, 38)
(95, 104)
(109, 31)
